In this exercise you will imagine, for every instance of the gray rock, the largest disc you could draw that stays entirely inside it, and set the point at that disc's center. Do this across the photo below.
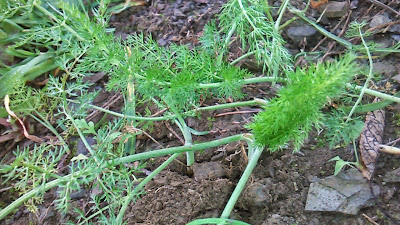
(378, 20)
(347, 193)
(50, 214)
(334, 9)
(256, 195)
(396, 37)
(395, 29)
(276, 219)
(393, 176)
(298, 33)
(385, 68)
(81, 148)
(209, 170)
(396, 78)
(314, 221)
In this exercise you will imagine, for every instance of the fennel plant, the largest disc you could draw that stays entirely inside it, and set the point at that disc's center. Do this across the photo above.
(174, 79)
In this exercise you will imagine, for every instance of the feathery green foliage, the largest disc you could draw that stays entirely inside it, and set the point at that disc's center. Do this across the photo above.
(340, 131)
(175, 79)
(291, 115)
(251, 22)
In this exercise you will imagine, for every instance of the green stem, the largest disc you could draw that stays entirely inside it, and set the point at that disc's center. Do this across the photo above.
(246, 15)
(100, 210)
(187, 134)
(49, 14)
(268, 12)
(287, 23)
(214, 107)
(145, 155)
(130, 145)
(242, 57)
(227, 39)
(87, 145)
(256, 101)
(242, 182)
(33, 167)
(368, 79)
(180, 149)
(343, 42)
(15, 25)
(372, 106)
(142, 184)
(45, 123)
(34, 192)
(217, 221)
(375, 93)
(245, 81)
(281, 12)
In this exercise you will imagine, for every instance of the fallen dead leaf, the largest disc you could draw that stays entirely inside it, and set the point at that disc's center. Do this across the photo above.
(11, 113)
(370, 140)
(316, 4)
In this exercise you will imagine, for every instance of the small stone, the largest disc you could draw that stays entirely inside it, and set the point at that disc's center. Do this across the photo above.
(390, 193)
(50, 214)
(385, 68)
(256, 195)
(346, 193)
(81, 148)
(334, 9)
(314, 221)
(299, 33)
(378, 20)
(162, 42)
(209, 170)
(396, 37)
(217, 157)
(312, 178)
(78, 194)
(396, 78)
(393, 176)
(395, 29)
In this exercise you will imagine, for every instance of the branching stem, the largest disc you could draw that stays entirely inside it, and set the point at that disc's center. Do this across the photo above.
(141, 156)
(368, 79)
(243, 180)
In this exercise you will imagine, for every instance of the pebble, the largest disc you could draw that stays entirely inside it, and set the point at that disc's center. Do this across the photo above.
(209, 170)
(396, 37)
(397, 79)
(256, 195)
(298, 33)
(81, 148)
(392, 176)
(334, 9)
(378, 20)
(385, 68)
(346, 193)
(395, 29)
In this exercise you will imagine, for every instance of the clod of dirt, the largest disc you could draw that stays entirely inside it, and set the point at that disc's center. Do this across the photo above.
(346, 193)
(334, 9)
(175, 199)
(209, 170)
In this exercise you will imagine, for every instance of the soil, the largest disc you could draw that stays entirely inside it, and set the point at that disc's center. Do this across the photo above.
(277, 190)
